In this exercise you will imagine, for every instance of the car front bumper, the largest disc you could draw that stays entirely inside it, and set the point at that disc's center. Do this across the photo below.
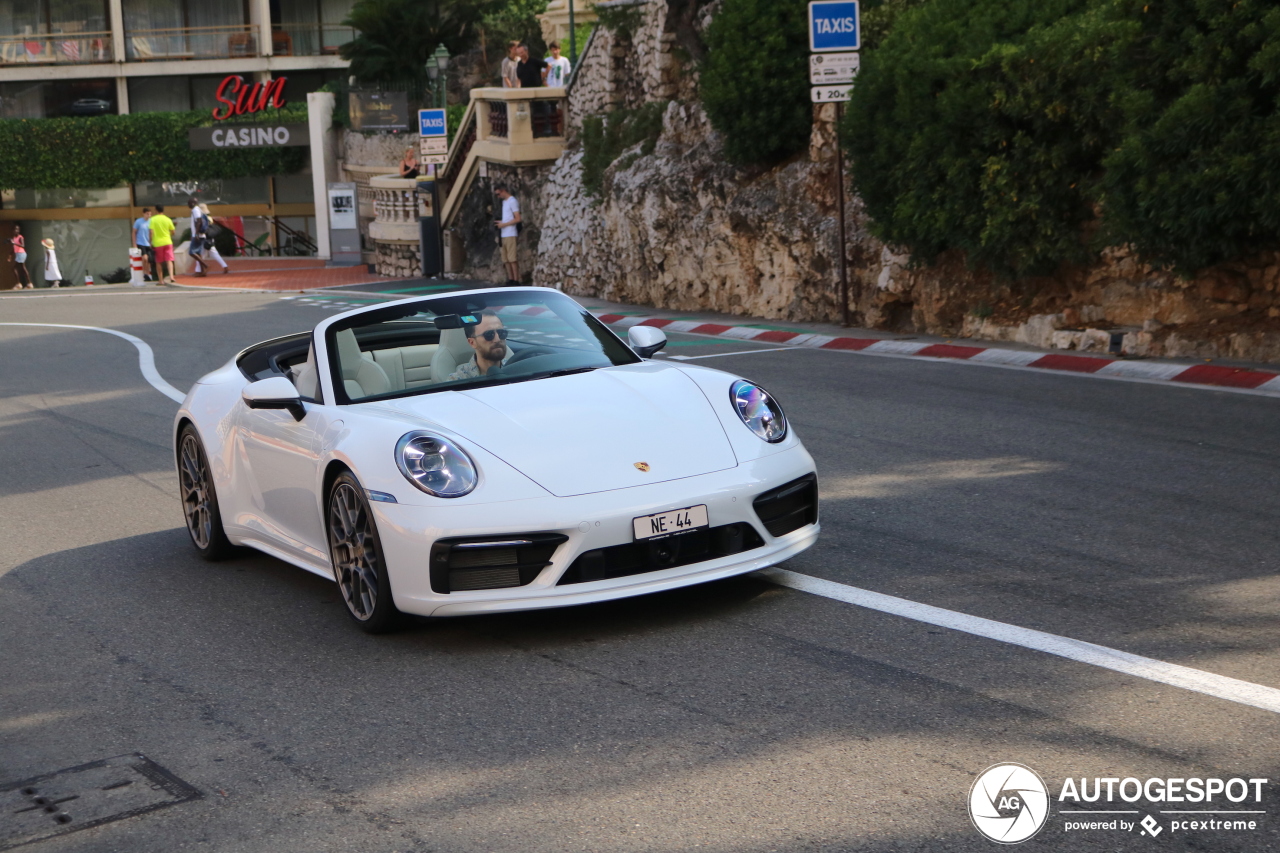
(588, 522)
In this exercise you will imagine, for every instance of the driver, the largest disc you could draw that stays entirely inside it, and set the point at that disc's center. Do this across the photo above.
(489, 340)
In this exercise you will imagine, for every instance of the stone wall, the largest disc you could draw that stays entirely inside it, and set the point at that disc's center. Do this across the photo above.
(397, 260)
(481, 209)
(374, 149)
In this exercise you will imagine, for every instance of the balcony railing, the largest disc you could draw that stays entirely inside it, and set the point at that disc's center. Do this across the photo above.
(229, 42)
(309, 39)
(56, 48)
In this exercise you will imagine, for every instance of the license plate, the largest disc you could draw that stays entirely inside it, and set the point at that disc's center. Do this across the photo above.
(670, 523)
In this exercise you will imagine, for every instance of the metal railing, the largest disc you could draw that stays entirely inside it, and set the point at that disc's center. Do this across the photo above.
(56, 48)
(309, 39)
(228, 42)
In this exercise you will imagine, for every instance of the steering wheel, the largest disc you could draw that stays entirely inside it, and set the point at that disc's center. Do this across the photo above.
(531, 352)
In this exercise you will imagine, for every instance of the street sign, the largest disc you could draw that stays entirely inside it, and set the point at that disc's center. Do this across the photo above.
(828, 69)
(433, 159)
(434, 145)
(829, 94)
(432, 123)
(834, 26)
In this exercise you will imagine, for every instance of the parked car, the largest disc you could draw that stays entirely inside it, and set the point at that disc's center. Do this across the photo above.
(486, 451)
(91, 107)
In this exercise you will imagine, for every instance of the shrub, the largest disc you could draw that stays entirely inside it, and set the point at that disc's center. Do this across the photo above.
(755, 80)
(604, 138)
(130, 148)
(959, 141)
(1193, 179)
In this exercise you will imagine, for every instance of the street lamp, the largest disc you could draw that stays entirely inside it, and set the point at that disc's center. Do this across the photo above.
(436, 67)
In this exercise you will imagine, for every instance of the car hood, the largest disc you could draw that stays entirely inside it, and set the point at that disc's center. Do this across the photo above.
(589, 432)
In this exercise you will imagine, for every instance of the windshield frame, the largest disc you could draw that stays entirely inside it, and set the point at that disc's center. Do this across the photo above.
(446, 304)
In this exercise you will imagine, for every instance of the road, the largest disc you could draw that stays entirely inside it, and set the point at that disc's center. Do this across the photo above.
(739, 716)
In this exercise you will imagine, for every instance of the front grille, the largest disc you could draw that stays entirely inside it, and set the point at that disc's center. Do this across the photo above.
(789, 507)
(635, 558)
(490, 562)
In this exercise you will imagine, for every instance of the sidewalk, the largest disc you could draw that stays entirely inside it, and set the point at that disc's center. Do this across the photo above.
(285, 275)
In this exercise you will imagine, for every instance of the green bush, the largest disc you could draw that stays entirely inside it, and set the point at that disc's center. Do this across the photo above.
(604, 138)
(755, 80)
(1193, 180)
(964, 134)
(1031, 134)
(131, 148)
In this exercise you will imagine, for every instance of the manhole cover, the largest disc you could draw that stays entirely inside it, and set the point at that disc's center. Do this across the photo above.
(89, 795)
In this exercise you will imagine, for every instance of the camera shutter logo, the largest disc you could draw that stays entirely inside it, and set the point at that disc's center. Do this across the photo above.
(1008, 803)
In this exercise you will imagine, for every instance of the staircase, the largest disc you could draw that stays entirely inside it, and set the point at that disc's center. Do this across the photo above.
(513, 127)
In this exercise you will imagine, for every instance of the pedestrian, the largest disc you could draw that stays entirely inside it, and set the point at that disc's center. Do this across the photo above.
(142, 240)
(52, 275)
(509, 78)
(528, 70)
(558, 67)
(19, 258)
(509, 228)
(162, 244)
(208, 230)
(409, 164)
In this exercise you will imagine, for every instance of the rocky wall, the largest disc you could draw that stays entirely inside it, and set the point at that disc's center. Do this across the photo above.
(481, 209)
(374, 149)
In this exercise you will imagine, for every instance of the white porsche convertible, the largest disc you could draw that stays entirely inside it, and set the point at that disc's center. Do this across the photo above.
(485, 451)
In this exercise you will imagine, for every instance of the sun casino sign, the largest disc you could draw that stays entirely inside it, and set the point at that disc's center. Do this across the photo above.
(237, 97)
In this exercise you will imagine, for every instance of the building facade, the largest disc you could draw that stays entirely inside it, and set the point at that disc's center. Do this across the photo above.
(93, 57)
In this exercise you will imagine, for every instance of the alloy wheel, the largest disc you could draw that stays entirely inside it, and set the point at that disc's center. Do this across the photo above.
(193, 477)
(354, 550)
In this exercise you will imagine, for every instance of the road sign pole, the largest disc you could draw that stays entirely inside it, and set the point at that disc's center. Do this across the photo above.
(844, 275)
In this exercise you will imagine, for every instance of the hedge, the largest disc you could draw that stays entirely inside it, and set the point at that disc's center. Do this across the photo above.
(1029, 134)
(755, 79)
(106, 151)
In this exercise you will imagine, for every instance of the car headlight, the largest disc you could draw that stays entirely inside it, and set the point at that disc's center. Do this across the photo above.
(436, 465)
(760, 412)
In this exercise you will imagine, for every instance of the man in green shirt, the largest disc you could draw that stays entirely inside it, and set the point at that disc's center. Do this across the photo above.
(162, 244)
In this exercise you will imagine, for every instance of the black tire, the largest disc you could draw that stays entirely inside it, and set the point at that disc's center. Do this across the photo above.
(356, 553)
(200, 498)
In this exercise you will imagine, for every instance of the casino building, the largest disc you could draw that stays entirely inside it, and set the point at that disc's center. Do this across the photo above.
(94, 57)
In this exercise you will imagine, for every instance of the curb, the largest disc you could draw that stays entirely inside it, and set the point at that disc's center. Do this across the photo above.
(1208, 375)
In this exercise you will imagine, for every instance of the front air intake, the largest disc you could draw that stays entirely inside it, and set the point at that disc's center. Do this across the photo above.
(465, 564)
(790, 506)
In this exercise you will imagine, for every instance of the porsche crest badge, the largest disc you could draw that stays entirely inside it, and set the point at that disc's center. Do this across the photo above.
(642, 466)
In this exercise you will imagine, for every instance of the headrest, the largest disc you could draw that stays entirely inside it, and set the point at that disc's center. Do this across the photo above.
(455, 341)
(349, 355)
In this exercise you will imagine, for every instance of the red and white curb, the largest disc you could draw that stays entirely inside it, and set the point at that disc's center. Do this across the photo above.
(1212, 375)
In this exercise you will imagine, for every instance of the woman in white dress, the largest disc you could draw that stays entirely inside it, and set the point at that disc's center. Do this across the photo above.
(52, 275)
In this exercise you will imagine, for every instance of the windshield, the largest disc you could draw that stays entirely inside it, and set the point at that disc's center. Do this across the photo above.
(467, 341)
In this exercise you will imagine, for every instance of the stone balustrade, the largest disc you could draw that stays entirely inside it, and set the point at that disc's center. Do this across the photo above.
(394, 229)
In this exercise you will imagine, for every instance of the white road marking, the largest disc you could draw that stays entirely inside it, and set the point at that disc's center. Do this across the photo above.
(146, 358)
(723, 354)
(1219, 686)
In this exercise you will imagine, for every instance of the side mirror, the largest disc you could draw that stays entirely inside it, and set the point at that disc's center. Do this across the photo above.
(646, 340)
(275, 392)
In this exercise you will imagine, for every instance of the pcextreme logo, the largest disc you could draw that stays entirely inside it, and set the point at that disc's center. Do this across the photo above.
(1008, 803)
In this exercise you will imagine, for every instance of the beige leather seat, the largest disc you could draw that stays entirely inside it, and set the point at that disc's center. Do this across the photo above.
(407, 367)
(452, 352)
(305, 378)
(361, 375)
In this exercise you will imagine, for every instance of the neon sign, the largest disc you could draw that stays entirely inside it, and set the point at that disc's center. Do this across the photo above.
(240, 98)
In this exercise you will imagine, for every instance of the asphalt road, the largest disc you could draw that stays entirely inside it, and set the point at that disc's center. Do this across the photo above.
(736, 716)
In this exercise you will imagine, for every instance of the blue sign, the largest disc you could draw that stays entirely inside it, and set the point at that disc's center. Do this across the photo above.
(834, 25)
(432, 123)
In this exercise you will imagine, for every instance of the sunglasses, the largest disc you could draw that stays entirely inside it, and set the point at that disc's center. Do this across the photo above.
(500, 334)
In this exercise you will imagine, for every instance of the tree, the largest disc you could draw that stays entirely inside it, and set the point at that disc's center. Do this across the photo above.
(397, 37)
